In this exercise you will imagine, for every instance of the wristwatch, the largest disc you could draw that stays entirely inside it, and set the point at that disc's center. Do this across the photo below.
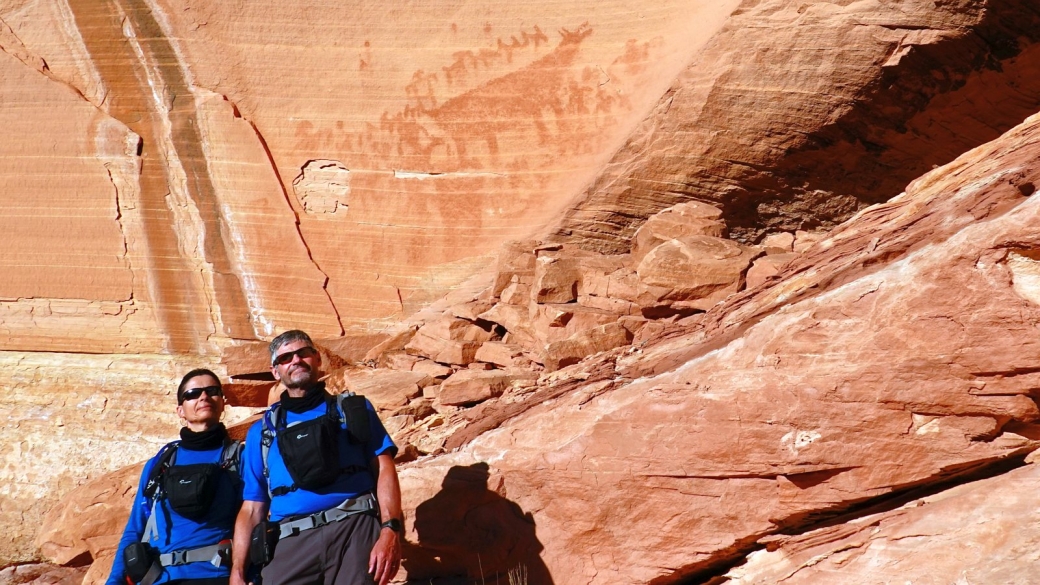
(393, 524)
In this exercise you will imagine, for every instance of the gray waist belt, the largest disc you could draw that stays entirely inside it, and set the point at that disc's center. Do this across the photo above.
(215, 554)
(358, 505)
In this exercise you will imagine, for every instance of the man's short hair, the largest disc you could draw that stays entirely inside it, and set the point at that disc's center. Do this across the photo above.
(288, 337)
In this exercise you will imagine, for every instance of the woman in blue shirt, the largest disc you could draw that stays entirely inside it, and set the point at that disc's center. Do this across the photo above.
(183, 517)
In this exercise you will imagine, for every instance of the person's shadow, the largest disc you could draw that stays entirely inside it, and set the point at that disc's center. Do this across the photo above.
(469, 532)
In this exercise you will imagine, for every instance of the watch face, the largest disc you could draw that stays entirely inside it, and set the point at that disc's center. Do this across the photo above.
(394, 524)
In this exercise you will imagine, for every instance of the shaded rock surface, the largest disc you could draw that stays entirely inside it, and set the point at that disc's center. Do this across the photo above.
(798, 114)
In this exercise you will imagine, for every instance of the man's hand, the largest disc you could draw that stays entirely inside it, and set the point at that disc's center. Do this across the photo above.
(238, 578)
(386, 554)
(385, 558)
(249, 515)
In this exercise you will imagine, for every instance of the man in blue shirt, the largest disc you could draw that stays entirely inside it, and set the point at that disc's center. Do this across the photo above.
(324, 471)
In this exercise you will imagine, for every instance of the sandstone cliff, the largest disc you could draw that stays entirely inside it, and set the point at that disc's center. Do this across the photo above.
(182, 179)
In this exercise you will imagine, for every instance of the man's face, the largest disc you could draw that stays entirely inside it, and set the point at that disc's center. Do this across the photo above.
(301, 368)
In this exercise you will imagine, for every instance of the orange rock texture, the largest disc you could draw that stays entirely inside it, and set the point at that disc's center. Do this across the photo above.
(938, 539)
(639, 289)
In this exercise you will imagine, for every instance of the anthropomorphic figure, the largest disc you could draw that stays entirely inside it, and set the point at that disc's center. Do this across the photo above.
(184, 512)
(322, 503)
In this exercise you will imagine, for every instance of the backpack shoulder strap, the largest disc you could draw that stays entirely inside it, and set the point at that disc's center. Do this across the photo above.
(354, 413)
(153, 487)
(162, 463)
(231, 457)
(267, 434)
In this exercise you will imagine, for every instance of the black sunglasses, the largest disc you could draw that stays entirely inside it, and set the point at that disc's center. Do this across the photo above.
(303, 352)
(211, 391)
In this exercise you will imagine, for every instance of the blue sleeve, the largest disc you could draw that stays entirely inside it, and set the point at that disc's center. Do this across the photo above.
(379, 441)
(254, 484)
(134, 530)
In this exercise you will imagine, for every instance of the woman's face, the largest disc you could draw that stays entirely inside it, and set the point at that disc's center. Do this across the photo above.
(204, 410)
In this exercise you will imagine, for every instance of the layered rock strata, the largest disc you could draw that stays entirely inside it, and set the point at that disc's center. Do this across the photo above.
(983, 532)
(172, 187)
(220, 175)
(797, 114)
(843, 380)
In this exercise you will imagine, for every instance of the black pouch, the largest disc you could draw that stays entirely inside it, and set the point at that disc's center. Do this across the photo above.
(190, 489)
(310, 451)
(356, 415)
(262, 542)
(138, 558)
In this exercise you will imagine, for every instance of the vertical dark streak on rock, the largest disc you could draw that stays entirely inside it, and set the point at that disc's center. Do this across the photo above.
(182, 311)
(187, 142)
(128, 100)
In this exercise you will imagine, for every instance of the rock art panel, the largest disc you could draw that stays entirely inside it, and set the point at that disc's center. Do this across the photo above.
(457, 136)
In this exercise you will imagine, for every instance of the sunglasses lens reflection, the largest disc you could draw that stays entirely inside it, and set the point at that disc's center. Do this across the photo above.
(211, 391)
(303, 352)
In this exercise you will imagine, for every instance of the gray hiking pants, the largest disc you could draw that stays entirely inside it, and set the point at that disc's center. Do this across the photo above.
(334, 554)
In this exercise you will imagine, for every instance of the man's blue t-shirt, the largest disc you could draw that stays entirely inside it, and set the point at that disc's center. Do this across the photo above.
(352, 457)
(175, 532)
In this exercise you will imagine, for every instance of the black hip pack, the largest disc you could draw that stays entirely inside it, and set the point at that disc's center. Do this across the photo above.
(262, 542)
(190, 489)
(310, 450)
(138, 560)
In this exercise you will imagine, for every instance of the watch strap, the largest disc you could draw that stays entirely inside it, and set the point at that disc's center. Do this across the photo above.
(394, 524)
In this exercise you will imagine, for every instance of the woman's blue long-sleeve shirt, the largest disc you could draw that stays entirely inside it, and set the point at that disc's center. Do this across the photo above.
(176, 532)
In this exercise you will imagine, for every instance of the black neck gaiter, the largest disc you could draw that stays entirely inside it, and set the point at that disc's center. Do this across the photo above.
(314, 396)
(211, 438)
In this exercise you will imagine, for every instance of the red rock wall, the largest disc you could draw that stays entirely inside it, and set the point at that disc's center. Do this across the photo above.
(900, 351)
(178, 176)
(798, 114)
(330, 173)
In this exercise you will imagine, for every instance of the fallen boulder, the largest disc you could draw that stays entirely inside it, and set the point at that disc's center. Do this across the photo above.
(697, 271)
(448, 340)
(472, 386)
(572, 350)
(692, 218)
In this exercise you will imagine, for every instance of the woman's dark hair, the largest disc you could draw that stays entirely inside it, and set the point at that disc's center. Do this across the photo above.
(193, 374)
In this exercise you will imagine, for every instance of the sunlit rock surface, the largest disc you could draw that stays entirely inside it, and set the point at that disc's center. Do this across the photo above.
(983, 532)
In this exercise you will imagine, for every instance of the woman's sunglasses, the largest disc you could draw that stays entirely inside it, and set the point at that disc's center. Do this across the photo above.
(303, 352)
(194, 393)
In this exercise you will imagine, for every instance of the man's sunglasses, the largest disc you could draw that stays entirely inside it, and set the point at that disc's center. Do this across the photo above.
(194, 393)
(303, 352)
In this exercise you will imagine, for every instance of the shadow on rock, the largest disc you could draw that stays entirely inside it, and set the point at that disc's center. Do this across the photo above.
(468, 532)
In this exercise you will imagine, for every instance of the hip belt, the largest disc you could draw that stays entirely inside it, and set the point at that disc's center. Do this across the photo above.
(216, 554)
(144, 566)
(359, 505)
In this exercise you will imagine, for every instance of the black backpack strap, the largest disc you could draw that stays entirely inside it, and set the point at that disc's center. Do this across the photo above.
(162, 463)
(153, 487)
